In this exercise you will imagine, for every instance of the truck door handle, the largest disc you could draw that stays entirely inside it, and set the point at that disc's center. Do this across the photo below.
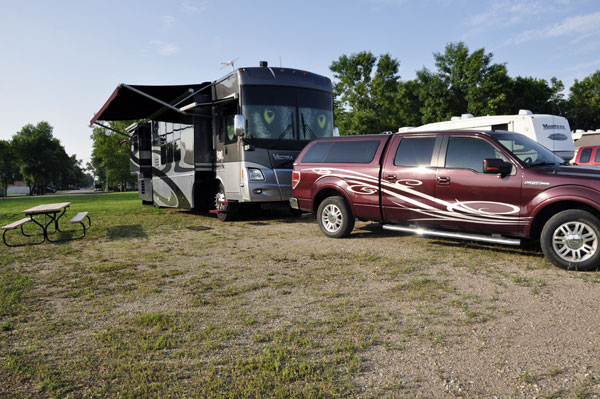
(443, 180)
(390, 177)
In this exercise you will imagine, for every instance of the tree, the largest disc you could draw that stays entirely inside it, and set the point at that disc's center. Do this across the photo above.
(584, 103)
(110, 157)
(536, 95)
(39, 155)
(366, 93)
(463, 83)
(8, 166)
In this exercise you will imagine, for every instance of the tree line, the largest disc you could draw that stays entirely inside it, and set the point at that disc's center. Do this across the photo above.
(370, 97)
(35, 156)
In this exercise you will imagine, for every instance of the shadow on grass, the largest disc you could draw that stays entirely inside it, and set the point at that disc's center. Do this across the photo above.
(125, 231)
(258, 216)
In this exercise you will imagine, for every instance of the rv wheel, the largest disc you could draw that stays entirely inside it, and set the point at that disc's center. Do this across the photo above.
(225, 210)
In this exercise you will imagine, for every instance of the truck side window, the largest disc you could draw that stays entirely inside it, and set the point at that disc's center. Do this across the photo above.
(360, 151)
(586, 155)
(469, 153)
(414, 151)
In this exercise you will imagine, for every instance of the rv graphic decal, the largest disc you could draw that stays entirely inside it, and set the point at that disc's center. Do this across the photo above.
(408, 197)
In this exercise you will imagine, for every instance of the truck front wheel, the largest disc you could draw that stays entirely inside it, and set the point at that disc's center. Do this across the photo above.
(571, 240)
(335, 217)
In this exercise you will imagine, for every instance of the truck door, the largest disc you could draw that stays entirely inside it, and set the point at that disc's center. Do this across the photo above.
(470, 200)
(408, 179)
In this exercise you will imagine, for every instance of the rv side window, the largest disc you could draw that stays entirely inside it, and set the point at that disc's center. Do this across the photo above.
(163, 154)
(597, 157)
(414, 151)
(586, 155)
(225, 117)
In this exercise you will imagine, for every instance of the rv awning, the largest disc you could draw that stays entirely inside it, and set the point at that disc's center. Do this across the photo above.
(132, 102)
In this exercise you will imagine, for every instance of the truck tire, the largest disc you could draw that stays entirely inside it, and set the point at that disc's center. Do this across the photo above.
(571, 240)
(335, 217)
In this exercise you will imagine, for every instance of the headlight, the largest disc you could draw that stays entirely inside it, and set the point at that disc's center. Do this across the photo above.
(255, 174)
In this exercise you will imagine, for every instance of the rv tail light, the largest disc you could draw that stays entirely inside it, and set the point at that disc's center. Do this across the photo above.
(295, 178)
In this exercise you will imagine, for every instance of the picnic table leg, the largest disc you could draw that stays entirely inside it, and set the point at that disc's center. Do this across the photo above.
(26, 235)
(44, 231)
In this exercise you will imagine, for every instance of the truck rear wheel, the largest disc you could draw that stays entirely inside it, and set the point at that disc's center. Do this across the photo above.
(571, 240)
(335, 217)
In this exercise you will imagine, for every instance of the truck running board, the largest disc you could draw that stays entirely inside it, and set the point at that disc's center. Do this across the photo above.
(448, 234)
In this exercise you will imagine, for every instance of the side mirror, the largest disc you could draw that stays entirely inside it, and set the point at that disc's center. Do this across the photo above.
(239, 125)
(336, 132)
(497, 165)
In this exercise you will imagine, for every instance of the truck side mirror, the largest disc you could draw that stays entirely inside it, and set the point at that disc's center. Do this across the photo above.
(239, 125)
(496, 165)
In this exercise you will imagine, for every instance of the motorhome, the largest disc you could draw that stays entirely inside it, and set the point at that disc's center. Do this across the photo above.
(221, 144)
(551, 131)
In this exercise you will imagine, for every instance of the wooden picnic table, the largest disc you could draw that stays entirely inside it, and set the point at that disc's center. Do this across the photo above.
(52, 213)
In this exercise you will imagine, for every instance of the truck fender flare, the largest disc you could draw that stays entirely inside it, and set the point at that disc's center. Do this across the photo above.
(560, 194)
(332, 183)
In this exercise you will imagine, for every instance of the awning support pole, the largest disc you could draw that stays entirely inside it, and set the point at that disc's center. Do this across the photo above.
(111, 129)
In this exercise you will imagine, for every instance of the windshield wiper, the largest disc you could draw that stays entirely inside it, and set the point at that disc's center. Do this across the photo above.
(304, 126)
(290, 126)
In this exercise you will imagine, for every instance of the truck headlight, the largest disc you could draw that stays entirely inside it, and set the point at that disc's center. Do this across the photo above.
(255, 174)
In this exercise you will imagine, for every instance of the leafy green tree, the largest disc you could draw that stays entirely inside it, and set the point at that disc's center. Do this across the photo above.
(39, 155)
(366, 93)
(584, 103)
(463, 83)
(536, 95)
(8, 166)
(110, 156)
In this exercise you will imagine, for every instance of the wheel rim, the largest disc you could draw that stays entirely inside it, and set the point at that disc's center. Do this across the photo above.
(219, 200)
(332, 218)
(575, 241)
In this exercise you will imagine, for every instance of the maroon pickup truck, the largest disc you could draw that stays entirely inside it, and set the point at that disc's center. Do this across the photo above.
(496, 187)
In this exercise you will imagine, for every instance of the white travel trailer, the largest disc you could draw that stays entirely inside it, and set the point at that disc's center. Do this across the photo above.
(551, 131)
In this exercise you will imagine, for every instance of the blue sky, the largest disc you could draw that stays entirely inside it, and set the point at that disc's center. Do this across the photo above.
(60, 60)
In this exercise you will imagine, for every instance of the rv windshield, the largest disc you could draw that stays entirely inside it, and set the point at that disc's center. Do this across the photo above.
(286, 113)
(528, 151)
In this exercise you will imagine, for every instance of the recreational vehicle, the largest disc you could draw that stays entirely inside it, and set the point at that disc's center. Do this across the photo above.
(551, 131)
(219, 145)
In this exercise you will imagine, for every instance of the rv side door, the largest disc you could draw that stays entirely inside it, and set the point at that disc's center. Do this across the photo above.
(228, 160)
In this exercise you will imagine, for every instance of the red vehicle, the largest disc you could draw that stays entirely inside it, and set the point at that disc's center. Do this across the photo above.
(588, 156)
(497, 187)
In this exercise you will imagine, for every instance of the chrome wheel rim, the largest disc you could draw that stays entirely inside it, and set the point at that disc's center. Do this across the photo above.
(331, 218)
(219, 201)
(575, 241)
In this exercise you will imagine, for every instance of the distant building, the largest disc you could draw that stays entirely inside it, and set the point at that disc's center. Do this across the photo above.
(18, 187)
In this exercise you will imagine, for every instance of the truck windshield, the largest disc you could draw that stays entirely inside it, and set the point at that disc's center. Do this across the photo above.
(286, 113)
(528, 151)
